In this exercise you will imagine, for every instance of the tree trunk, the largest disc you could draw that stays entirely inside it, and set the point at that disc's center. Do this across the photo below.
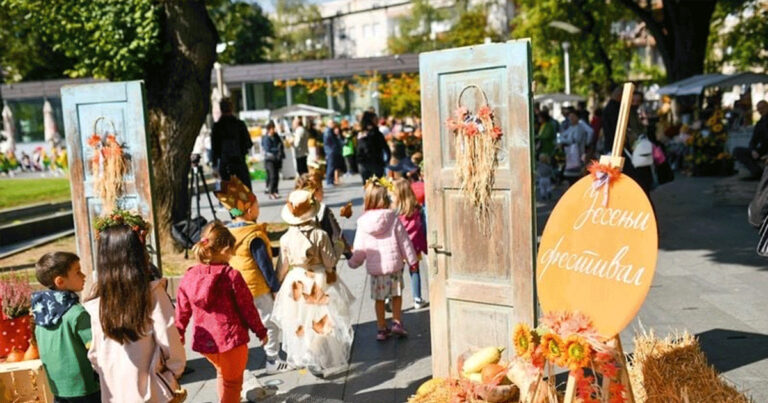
(689, 22)
(178, 99)
(681, 35)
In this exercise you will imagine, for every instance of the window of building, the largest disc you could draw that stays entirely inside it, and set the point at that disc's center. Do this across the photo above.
(28, 118)
(367, 31)
(377, 30)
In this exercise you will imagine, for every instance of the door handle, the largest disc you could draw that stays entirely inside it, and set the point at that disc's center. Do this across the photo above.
(439, 250)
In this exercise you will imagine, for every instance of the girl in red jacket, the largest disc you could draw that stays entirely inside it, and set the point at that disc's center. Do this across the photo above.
(409, 212)
(218, 298)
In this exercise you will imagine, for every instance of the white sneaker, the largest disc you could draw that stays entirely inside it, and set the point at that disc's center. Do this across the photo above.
(277, 366)
(420, 303)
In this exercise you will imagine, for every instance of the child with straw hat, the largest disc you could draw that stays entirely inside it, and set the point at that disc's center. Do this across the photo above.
(313, 313)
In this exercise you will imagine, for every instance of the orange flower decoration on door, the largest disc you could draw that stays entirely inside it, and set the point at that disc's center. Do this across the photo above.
(108, 165)
(476, 141)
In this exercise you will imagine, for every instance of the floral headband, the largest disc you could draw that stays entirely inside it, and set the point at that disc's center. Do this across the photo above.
(383, 182)
(123, 217)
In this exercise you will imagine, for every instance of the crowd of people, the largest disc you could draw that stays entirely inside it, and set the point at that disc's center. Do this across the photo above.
(654, 148)
(338, 148)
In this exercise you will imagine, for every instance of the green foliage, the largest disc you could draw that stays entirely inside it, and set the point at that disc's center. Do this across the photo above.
(244, 28)
(300, 34)
(416, 29)
(111, 39)
(470, 29)
(401, 95)
(24, 55)
(744, 44)
(598, 56)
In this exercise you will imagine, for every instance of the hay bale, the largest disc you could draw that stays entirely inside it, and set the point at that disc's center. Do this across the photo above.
(674, 370)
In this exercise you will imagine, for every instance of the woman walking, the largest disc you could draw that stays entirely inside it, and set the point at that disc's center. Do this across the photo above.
(372, 148)
(274, 153)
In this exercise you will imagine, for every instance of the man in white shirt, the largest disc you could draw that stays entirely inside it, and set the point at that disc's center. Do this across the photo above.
(300, 147)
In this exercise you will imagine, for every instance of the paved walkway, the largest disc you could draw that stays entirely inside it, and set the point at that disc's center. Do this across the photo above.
(708, 281)
(377, 372)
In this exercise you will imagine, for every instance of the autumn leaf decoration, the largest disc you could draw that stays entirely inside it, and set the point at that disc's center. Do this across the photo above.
(476, 141)
(108, 165)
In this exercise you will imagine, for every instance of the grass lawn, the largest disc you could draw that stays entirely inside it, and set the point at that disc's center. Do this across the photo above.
(20, 192)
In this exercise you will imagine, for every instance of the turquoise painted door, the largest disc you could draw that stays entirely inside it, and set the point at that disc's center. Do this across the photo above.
(480, 285)
(102, 109)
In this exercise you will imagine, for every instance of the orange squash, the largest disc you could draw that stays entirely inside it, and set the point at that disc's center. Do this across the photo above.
(491, 373)
(32, 353)
(15, 356)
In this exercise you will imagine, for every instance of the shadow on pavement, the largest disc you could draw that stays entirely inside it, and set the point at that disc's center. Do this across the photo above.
(375, 366)
(730, 349)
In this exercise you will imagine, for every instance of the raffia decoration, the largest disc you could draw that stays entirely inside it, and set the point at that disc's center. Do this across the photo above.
(108, 167)
(476, 141)
(674, 370)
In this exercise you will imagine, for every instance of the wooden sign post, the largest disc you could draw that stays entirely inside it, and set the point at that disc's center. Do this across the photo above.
(598, 251)
(97, 111)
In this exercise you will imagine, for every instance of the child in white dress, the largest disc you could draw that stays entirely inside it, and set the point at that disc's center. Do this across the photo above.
(313, 306)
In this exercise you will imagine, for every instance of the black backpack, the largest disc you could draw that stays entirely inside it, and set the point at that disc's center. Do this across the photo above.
(187, 233)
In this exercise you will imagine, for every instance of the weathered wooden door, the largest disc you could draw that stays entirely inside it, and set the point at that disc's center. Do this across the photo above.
(101, 109)
(480, 286)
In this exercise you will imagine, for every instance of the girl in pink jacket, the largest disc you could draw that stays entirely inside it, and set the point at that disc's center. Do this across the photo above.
(217, 297)
(382, 243)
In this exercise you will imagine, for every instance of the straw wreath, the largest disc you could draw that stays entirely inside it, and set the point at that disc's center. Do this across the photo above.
(108, 166)
(476, 140)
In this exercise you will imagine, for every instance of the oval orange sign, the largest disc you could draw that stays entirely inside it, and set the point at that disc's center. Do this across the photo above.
(598, 258)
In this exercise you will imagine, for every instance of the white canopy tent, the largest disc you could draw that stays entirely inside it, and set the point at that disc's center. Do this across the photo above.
(9, 129)
(558, 97)
(301, 110)
(695, 85)
(50, 130)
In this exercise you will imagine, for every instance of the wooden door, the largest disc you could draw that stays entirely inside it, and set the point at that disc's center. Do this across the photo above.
(480, 286)
(100, 109)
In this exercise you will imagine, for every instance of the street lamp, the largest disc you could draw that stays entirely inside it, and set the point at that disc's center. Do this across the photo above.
(567, 60)
(573, 30)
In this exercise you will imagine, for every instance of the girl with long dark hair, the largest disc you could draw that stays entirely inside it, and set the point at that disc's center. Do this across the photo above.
(136, 349)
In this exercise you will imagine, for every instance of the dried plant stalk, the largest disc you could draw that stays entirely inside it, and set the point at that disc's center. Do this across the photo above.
(476, 162)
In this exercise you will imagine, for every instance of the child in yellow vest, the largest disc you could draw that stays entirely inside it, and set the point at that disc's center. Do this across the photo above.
(252, 257)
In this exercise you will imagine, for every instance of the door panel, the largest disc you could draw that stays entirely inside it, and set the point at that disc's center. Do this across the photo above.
(114, 108)
(480, 285)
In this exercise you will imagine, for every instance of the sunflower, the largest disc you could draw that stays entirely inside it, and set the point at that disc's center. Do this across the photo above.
(578, 352)
(523, 340)
(717, 128)
(553, 348)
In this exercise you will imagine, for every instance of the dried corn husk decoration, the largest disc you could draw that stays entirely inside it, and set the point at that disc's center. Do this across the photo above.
(476, 141)
(108, 166)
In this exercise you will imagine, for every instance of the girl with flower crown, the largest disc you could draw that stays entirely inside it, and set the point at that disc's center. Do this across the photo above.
(382, 243)
(312, 307)
(135, 349)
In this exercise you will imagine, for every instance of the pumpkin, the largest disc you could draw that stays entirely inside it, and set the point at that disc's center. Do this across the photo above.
(15, 356)
(32, 353)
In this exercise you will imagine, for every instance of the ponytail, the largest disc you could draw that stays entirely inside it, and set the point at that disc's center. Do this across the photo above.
(214, 239)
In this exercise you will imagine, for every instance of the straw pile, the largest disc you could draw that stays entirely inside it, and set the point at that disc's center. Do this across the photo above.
(674, 370)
